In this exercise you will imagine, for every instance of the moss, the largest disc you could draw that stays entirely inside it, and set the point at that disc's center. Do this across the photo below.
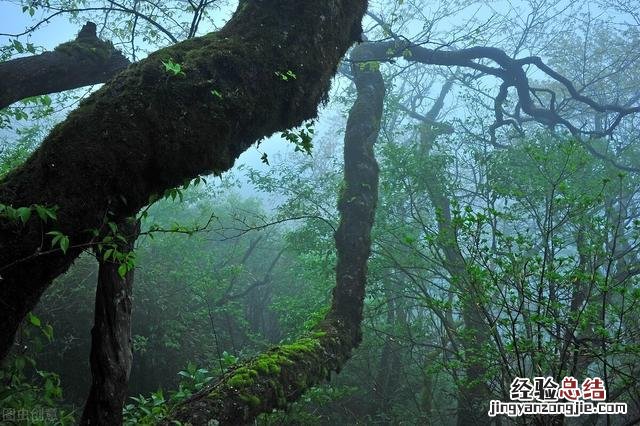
(269, 364)
(145, 132)
(215, 394)
(252, 400)
(242, 377)
(302, 380)
(304, 345)
(94, 49)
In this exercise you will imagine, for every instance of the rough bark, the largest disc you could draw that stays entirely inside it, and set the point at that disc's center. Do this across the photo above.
(81, 62)
(111, 347)
(149, 130)
(283, 373)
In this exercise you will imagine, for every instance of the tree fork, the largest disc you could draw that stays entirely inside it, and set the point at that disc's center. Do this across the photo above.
(186, 110)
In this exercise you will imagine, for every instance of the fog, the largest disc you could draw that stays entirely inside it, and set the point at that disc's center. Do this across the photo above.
(326, 212)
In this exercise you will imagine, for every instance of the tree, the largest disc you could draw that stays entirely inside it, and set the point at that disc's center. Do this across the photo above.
(315, 73)
(185, 75)
(95, 172)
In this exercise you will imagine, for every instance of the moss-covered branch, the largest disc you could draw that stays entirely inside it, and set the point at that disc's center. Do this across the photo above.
(186, 110)
(280, 375)
(81, 62)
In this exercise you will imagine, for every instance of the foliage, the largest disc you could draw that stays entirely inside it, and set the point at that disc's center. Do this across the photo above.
(533, 231)
(29, 395)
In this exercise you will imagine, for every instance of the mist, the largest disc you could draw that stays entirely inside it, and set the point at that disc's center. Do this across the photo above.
(327, 212)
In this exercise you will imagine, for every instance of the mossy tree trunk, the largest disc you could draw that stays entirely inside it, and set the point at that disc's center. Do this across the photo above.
(111, 347)
(81, 62)
(88, 60)
(151, 129)
(280, 375)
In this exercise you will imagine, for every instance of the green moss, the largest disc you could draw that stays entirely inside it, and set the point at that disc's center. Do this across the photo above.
(252, 400)
(301, 346)
(97, 50)
(269, 364)
(243, 377)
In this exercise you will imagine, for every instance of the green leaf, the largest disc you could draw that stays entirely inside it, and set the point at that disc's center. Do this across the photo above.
(107, 254)
(113, 227)
(122, 270)
(24, 213)
(45, 213)
(64, 244)
(34, 320)
(18, 46)
(47, 330)
(172, 67)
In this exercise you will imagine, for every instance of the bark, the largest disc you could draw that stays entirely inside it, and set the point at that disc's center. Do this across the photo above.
(81, 62)
(283, 373)
(149, 130)
(111, 347)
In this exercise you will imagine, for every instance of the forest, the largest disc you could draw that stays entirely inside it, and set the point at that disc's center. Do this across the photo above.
(320, 212)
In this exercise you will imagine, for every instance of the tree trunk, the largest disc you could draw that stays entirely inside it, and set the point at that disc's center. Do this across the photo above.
(111, 348)
(81, 62)
(151, 129)
(473, 393)
(283, 373)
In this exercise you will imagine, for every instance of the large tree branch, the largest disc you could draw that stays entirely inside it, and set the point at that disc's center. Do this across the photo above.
(81, 62)
(512, 72)
(282, 374)
(151, 129)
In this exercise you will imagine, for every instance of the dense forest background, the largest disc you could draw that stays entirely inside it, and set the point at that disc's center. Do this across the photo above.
(505, 244)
